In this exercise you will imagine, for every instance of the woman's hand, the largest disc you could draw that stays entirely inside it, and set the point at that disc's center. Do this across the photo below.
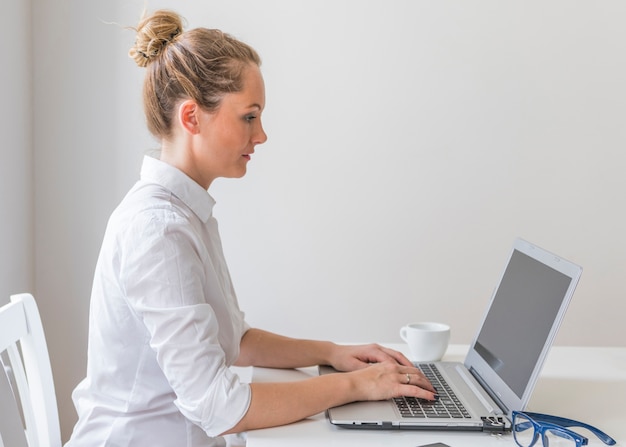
(389, 379)
(352, 358)
(381, 373)
(375, 373)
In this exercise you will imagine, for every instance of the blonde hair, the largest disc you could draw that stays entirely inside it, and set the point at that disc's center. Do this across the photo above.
(200, 64)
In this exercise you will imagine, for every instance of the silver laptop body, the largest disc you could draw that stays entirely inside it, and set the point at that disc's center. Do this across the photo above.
(505, 357)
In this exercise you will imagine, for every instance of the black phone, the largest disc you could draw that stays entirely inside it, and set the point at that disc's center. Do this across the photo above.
(436, 444)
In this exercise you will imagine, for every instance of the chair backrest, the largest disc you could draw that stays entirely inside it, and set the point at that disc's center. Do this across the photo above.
(28, 407)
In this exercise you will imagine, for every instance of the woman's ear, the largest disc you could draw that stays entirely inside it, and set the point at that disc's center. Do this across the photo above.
(188, 112)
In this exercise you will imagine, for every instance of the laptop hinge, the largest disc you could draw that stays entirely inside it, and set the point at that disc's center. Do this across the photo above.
(493, 396)
(495, 424)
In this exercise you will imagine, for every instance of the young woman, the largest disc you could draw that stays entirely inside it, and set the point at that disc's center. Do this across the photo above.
(164, 322)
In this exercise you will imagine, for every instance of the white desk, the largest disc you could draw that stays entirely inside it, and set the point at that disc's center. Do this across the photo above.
(575, 383)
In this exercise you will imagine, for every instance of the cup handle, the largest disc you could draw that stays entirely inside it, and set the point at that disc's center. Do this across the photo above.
(403, 333)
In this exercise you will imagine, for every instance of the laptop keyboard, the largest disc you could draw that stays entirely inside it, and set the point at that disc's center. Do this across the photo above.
(448, 405)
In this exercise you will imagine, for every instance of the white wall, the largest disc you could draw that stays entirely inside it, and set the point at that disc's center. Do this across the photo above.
(409, 143)
(16, 179)
(76, 174)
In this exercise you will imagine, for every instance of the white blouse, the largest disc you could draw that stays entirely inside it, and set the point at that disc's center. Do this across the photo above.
(164, 323)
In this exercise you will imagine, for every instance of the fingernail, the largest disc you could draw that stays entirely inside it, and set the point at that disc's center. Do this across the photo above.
(436, 396)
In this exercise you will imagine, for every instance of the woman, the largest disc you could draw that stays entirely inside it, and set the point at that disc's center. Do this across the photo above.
(164, 320)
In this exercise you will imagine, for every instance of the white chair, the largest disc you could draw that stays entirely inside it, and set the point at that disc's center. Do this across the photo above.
(28, 408)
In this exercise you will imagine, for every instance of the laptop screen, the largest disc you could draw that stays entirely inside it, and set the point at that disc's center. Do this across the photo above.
(520, 319)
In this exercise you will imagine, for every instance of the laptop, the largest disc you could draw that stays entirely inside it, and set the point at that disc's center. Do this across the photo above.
(504, 360)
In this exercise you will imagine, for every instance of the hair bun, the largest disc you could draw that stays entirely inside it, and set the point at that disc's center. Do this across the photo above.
(154, 33)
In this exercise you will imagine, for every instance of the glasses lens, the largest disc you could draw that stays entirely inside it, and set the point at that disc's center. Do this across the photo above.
(523, 431)
(558, 438)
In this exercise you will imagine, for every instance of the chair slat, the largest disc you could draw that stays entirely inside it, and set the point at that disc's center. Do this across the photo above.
(12, 324)
(23, 339)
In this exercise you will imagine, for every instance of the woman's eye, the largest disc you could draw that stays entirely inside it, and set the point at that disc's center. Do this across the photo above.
(249, 118)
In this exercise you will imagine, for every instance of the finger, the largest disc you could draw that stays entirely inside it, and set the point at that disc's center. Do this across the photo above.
(412, 370)
(418, 392)
(363, 361)
(408, 378)
(417, 378)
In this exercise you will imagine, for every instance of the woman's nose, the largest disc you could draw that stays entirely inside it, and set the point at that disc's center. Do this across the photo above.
(260, 136)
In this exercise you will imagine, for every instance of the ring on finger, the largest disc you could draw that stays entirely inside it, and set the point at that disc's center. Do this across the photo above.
(408, 378)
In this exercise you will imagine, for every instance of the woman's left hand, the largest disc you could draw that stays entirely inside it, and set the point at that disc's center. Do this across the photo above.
(353, 357)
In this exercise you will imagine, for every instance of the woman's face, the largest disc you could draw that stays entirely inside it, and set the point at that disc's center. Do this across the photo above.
(227, 137)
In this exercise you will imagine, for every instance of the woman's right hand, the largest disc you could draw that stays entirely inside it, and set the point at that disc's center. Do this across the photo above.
(386, 380)
(273, 404)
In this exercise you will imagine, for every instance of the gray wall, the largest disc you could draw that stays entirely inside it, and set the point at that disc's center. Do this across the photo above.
(409, 143)
(16, 177)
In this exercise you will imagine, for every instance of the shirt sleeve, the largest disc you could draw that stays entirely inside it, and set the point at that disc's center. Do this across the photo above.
(163, 274)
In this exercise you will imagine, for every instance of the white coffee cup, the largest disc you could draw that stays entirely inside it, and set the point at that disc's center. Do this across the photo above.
(427, 341)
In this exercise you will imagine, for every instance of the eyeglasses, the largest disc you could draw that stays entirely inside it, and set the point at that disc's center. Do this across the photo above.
(528, 428)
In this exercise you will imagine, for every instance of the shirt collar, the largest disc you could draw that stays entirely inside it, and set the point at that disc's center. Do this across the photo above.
(178, 183)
